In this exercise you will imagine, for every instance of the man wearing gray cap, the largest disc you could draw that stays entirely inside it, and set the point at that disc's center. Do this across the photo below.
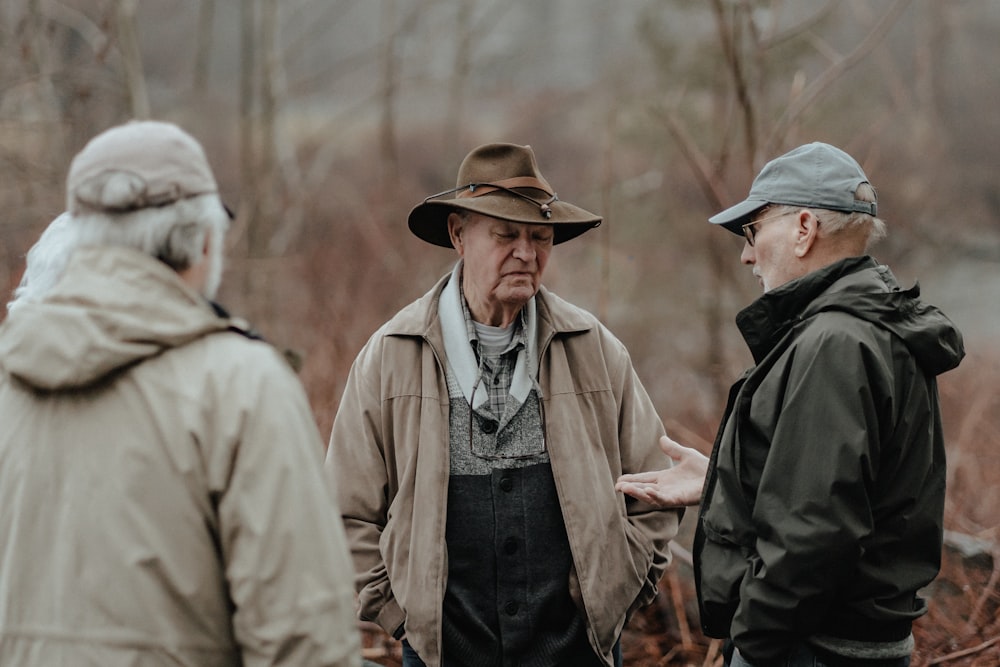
(821, 514)
(161, 494)
(478, 440)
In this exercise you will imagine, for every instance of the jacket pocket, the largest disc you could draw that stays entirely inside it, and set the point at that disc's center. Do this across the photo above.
(723, 564)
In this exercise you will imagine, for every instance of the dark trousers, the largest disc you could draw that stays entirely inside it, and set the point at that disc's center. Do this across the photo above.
(411, 659)
(808, 656)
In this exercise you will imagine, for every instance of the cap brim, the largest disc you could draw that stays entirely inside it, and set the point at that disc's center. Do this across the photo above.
(429, 220)
(734, 217)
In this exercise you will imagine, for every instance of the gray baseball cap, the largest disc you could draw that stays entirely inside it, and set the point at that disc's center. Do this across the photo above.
(815, 175)
(137, 165)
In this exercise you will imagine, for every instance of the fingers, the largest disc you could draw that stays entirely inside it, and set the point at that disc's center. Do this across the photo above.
(650, 477)
(683, 455)
(677, 486)
(639, 491)
(672, 449)
(651, 494)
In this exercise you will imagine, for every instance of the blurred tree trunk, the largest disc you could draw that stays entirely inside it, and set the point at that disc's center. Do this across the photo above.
(730, 27)
(461, 64)
(468, 29)
(203, 47)
(247, 231)
(287, 194)
(388, 156)
(135, 81)
(259, 200)
(40, 141)
(248, 146)
(933, 29)
(608, 182)
(267, 175)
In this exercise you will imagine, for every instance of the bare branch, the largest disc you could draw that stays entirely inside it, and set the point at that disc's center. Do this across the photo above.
(135, 81)
(734, 65)
(206, 20)
(701, 167)
(961, 654)
(809, 94)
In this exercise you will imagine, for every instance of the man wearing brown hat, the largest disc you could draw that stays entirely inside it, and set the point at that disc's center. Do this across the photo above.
(161, 491)
(478, 440)
(821, 516)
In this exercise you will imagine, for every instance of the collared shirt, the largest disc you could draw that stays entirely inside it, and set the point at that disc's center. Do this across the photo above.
(495, 366)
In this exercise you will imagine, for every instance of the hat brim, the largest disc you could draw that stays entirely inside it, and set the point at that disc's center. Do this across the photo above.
(734, 217)
(429, 219)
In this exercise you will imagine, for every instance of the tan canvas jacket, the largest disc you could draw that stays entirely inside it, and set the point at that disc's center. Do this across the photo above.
(162, 500)
(389, 459)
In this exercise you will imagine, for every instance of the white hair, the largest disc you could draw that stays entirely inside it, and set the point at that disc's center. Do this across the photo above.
(833, 222)
(45, 261)
(174, 234)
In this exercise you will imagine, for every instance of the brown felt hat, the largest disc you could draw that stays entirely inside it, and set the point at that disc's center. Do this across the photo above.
(501, 181)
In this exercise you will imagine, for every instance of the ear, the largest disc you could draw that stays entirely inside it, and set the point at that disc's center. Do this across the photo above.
(806, 232)
(455, 224)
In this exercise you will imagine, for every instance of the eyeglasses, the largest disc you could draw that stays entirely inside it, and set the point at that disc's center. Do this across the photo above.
(513, 457)
(748, 229)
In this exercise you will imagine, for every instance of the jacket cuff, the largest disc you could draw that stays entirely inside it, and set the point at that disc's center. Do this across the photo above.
(391, 618)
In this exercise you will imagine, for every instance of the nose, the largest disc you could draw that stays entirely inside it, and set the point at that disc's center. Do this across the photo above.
(524, 249)
(748, 256)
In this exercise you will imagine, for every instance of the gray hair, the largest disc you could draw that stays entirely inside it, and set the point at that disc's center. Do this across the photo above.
(45, 261)
(174, 234)
(834, 222)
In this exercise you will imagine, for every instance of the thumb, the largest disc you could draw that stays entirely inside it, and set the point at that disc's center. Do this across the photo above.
(672, 449)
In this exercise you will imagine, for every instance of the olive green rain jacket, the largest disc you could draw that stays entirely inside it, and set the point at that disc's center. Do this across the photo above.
(822, 510)
(161, 494)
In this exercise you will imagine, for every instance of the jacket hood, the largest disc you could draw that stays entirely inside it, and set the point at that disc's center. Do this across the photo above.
(867, 290)
(112, 308)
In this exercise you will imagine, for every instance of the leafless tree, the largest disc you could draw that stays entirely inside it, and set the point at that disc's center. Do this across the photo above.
(203, 45)
(135, 80)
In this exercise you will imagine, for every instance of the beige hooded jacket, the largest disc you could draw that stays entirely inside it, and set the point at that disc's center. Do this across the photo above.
(161, 495)
(389, 457)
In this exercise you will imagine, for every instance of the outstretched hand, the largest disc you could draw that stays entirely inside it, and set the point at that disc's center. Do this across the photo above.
(677, 486)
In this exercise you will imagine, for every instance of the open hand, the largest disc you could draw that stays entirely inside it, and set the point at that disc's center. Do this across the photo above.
(677, 486)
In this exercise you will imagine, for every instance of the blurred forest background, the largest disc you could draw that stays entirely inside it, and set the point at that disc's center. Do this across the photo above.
(327, 120)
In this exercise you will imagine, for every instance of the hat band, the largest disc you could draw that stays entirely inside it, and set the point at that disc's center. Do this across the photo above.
(480, 189)
(506, 185)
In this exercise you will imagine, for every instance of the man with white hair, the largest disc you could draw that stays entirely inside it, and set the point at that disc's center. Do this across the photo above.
(161, 495)
(821, 515)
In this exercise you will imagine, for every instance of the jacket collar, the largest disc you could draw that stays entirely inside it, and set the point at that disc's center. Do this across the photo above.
(461, 356)
(556, 317)
(420, 318)
(764, 321)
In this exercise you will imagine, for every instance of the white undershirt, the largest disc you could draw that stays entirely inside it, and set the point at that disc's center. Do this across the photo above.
(494, 339)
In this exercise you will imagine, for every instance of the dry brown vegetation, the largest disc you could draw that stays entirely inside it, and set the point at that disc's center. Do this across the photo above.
(327, 120)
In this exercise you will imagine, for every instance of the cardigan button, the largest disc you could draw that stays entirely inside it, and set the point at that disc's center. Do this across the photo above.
(489, 426)
(510, 546)
(506, 484)
(510, 608)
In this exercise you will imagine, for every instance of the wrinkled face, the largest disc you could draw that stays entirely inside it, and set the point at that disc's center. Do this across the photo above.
(773, 253)
(504, 262)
